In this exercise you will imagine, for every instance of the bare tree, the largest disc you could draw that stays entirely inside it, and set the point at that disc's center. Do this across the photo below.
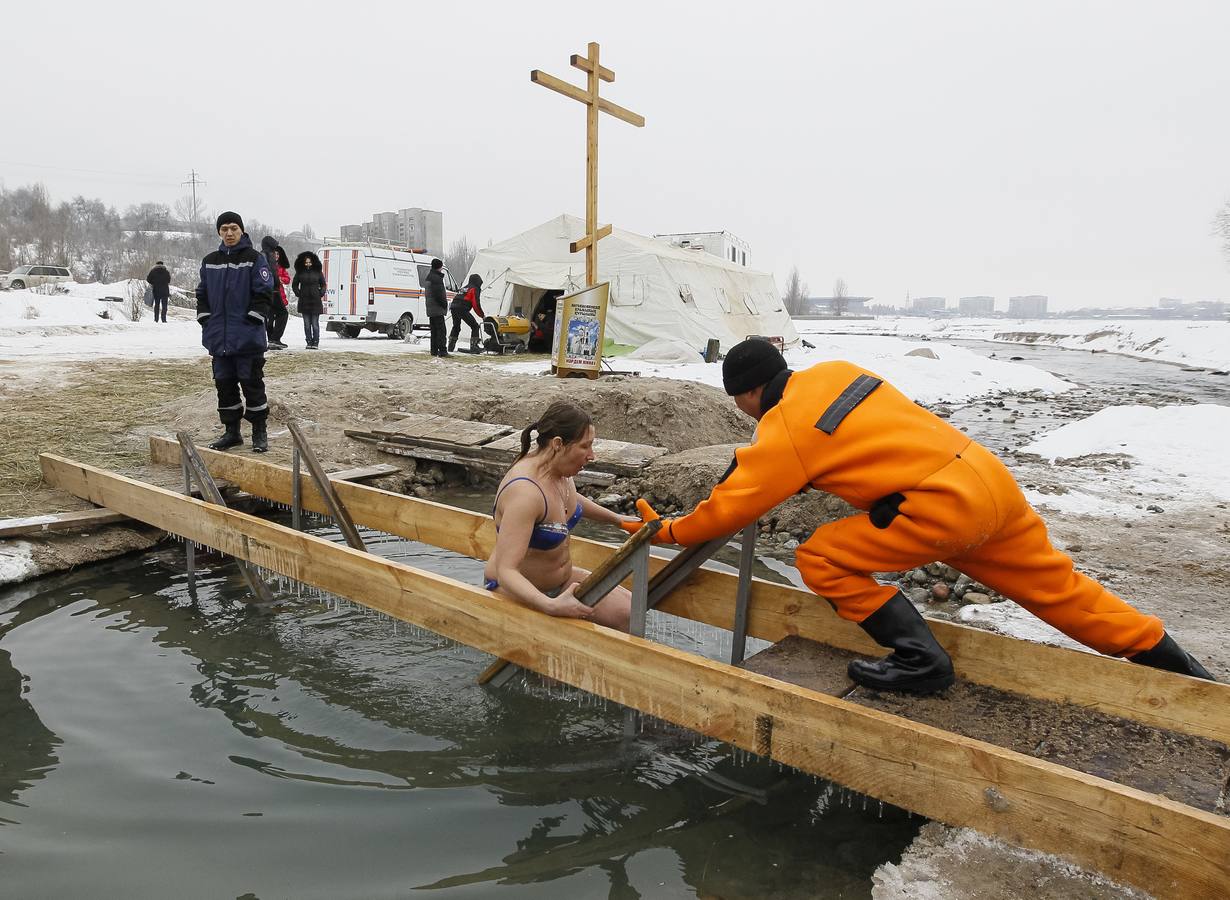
(460, 257)
(191, 209)
(840, 297)
(795, 298)
(1221, 224)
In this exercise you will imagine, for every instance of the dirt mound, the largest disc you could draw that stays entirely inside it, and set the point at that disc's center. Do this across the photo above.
(676, 483)
(677, 415)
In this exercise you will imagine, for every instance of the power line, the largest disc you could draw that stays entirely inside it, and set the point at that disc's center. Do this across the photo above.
(131, 175)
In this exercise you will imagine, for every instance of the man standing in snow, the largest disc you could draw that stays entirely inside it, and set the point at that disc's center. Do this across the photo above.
(159, 280)
(233, 302)
(436, 301)
(928, 492)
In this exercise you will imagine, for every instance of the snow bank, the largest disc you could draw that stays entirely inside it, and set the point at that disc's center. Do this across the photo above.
(956, 374)
(16, 562)
(1177, 456)
(1194, 343)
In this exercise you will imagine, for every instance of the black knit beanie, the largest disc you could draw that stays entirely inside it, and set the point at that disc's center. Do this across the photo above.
(750, 364)
(227, 218)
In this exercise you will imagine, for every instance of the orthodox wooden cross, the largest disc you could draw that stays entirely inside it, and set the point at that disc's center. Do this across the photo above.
(594, 104)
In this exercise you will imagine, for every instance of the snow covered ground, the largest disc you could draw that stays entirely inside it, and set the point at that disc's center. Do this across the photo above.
(1193, 343)
(1171, 457)
(958, 374)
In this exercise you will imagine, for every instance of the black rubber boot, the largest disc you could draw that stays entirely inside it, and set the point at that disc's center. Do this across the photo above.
(1170, 656)
(230, 438)
(917, 665)
(260, 437)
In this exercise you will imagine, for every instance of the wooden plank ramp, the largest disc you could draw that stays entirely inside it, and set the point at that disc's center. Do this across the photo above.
(490, 447)
(1167, 848)
(55, 522)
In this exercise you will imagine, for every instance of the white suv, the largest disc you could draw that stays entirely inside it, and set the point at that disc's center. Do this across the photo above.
(32, 276)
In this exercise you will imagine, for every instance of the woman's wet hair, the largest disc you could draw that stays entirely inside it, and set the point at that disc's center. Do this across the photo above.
(563, 420)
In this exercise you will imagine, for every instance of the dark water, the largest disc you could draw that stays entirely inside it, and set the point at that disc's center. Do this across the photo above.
(158, 742)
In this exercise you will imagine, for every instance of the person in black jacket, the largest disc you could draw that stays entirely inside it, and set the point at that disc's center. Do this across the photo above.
(436, 301)
(308, 287)
(277, 311)
(233, 301)
(464, 307)
(159, 280)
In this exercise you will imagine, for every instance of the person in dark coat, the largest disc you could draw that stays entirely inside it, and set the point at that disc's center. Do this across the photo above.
(233, 302)
(308, 286)
(464, 308)
(159, 280)
(436, 301)
(278, 265)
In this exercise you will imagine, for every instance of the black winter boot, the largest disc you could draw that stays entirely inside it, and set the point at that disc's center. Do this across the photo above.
(917, 665)
(230, 438)
(1170, 656)
(260, 437)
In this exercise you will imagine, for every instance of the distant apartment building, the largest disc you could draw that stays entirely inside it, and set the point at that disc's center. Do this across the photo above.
(720, 243)
(928, 304)
(1032, 306)
(413, 227)
(976, 306)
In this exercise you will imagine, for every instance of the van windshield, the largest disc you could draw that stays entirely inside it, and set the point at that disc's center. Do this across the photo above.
(22, 270)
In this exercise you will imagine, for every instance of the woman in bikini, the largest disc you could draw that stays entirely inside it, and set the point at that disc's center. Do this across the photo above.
(536, 508)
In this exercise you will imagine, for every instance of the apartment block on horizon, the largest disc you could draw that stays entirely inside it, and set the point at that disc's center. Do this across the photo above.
(412, 227)
(928, 304)
(976, 306)
(1031, 306)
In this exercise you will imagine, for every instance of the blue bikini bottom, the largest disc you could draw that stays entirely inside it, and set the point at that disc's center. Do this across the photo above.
(490, 584)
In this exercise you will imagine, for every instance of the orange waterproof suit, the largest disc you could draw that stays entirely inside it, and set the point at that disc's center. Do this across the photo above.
(929, 493)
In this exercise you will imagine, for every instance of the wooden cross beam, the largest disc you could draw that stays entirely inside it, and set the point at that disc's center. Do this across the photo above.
(595, 72)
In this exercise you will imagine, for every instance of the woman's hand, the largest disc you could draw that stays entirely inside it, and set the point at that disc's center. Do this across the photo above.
(567, 606)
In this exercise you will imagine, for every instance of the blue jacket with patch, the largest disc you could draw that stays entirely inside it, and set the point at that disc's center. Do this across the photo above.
(232, 300)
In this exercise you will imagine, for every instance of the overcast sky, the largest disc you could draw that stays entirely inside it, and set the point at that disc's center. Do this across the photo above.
(1074, 149)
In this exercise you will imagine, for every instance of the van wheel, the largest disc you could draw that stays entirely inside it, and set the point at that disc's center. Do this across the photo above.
(18, 285)
(402, 329)
(351, 331)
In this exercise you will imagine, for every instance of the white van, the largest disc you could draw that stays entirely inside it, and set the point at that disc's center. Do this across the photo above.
(374, 286)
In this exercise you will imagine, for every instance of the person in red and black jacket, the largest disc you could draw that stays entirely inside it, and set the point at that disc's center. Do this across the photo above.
(280, 264)
(464, 308)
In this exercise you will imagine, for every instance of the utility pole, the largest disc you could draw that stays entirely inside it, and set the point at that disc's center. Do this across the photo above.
(194, 181)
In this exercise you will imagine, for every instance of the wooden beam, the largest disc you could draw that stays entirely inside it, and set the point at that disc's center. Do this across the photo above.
(1118, 688)
(1129, 835)
(583, 63)
(575, 93)
(65, 521)
(363, 473)
(324, 487)
(583, 243)
(537, 76)
(626, 115)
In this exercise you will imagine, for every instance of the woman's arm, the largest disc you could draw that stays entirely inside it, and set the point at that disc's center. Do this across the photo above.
(597, 513)
(522, 507)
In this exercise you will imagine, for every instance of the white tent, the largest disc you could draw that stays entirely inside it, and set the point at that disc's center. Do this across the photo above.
(657, 290)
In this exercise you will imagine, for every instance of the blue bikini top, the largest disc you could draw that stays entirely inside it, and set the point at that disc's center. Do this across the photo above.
(546, 535)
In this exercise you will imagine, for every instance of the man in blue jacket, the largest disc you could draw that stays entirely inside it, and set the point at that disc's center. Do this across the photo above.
(233, 302)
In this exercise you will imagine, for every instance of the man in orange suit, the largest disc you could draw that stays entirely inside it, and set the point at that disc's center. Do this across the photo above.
(927, 492)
